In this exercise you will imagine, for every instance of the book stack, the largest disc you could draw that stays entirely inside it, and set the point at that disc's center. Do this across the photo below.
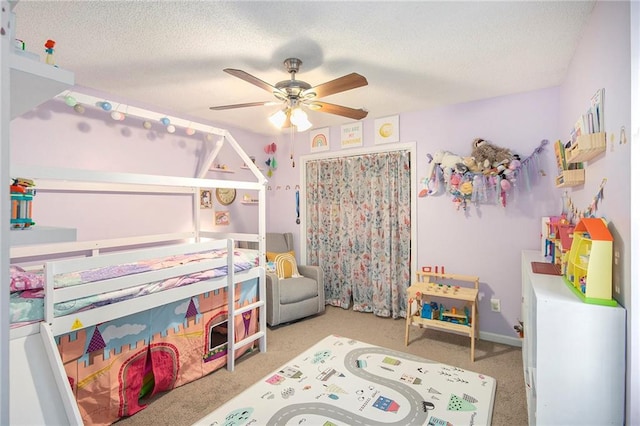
(592, 121)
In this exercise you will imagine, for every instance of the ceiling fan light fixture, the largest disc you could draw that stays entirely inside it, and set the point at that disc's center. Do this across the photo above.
(278, 118)
(299, 119)
(304, 125)
(298, 116)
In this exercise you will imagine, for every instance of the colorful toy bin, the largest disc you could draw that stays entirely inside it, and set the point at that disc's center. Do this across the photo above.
(22, 193)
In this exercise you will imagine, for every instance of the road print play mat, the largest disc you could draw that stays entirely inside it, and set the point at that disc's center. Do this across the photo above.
(340, 381)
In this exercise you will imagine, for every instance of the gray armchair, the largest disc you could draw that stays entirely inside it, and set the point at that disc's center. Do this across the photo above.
(290, 299)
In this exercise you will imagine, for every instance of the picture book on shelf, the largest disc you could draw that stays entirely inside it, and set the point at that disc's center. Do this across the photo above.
(592, 121)
(597, 110)
(560, 156)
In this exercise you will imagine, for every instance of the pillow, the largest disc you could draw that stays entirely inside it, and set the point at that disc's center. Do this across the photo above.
(286, 266)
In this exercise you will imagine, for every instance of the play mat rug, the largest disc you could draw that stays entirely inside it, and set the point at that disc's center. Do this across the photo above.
(340, 381)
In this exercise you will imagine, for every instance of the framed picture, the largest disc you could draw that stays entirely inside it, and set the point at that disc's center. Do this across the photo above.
(222, 218)
(319, 139)
(205, 199)
(351, 135)
(387, 130)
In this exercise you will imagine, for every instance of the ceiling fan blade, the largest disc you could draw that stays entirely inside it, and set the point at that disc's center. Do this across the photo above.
(340, 84)
(356, 114)
(249, 104)
(253, 80)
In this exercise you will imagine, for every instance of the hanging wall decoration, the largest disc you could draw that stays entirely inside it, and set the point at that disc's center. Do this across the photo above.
(387, 130)
(319, 139)
(575, 215)
(271, 162)
(351, 135)
(205, 199)
(488, 175)
(222, 218)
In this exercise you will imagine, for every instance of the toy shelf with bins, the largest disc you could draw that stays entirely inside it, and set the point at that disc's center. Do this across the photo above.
(589, 266)
(426, 288)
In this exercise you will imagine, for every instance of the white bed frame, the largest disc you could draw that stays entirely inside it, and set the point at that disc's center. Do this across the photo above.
(85, 255)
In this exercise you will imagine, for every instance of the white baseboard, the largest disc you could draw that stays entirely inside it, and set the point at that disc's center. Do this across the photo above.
(501, 338)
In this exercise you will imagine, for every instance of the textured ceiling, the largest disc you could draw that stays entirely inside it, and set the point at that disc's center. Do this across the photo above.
(415, 55)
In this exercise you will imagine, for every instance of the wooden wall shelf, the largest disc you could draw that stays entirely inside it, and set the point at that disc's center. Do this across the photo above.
(587, 147)
(570, 178)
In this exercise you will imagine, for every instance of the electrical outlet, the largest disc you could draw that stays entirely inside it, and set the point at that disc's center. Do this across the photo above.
(495, 305)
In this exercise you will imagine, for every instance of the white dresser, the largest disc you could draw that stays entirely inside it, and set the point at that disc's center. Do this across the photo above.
(573, 353)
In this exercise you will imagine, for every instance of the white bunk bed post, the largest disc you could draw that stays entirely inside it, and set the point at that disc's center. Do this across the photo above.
(231, 308)
(4, 214)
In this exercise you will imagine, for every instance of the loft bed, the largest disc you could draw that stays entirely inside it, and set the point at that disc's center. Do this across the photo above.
(90, 288)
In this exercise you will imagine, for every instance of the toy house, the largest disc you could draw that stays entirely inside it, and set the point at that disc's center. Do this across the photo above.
(589, 266)
(548, 236)
(557, 233)
(563, 244)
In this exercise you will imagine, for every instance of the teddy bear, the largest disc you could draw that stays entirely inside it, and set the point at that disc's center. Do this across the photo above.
(488, 155)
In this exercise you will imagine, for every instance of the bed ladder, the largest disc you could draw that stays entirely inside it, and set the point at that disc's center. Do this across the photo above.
(260, 305)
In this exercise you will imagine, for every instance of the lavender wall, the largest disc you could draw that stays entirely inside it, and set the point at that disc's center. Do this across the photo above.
(54, 135)
(487, 240)
(603, 60)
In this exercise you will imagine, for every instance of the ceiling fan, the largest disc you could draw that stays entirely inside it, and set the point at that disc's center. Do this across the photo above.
(294, 94)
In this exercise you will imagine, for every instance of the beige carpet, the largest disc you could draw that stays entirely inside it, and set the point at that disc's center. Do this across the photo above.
(189, 403)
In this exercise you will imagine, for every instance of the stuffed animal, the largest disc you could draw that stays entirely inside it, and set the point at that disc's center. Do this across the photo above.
(488, 155)
(471, 164)
(446, 161)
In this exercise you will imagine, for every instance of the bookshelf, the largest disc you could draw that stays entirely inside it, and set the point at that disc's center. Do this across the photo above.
(586, 147)
(588, 140)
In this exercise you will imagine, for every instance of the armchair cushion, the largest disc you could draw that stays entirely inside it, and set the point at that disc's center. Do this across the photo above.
(285, 264)
(294, 290)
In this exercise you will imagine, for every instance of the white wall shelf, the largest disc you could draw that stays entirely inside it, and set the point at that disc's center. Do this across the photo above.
(34, 82)
(41, 235)
(220, 170)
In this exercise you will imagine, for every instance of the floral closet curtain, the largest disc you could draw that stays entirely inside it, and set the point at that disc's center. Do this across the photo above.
(359, 229)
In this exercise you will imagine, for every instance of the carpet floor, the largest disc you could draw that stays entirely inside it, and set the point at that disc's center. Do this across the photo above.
(189, 403)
